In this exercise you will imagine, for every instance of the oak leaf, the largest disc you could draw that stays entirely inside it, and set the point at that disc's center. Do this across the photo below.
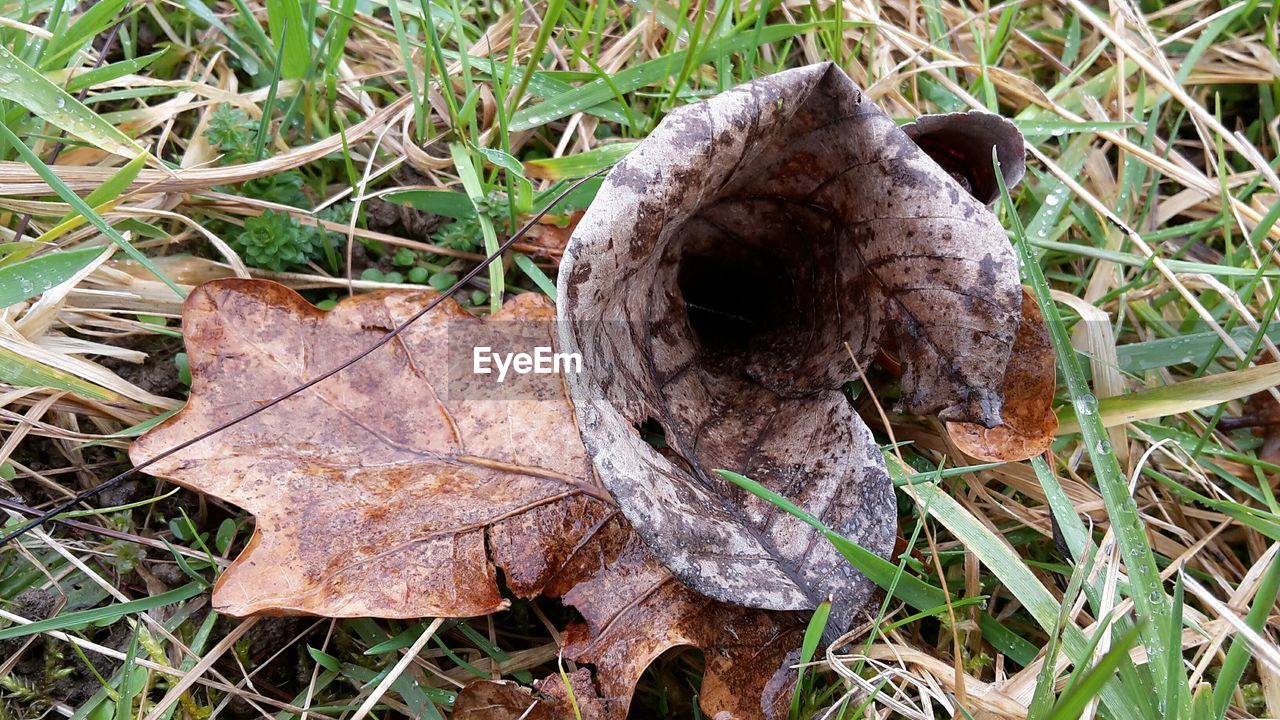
(735, 270)
(398, 490)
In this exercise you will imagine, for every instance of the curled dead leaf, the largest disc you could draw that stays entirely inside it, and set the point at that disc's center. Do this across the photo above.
(1029, 421)
(712, 288)
(961, 144)
(391, 491)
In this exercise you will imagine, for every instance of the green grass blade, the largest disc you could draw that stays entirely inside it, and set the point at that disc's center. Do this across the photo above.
(1072, 528)
(26, 279)
(1238, 655)
(548, 25)
(98, 17)
(23, 85)
(599, 91)
(269, 105)
(545, 85)
(808, 648)
(534, 273)
(249, 59)
(580, 165)
(341, 15)
(25, 372)
(115, 70)
(475, 191)
(103, 615)
(1181, 266)
(1180, 397)
(79, 205)
(420, 108)
(1176, 684)
(1042, 700)
(1149, 599)
(124, 703)
(1014, 575)
(449, 203)
(1193, 347)
(1202, 703)
(906, 587)
(292, 37)
(113, 188)
(1072, 703)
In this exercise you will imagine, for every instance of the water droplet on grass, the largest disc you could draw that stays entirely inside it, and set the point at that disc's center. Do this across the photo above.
(1086, 405)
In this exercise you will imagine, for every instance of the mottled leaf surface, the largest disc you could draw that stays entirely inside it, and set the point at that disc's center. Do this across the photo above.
(721, 285)
(390, 491)
(1029, 421)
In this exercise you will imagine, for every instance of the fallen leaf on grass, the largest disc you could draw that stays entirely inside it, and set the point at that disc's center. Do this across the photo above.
(729, 267)
(1029, 421)
(392, 491)
(363, 484)
(548, 237)
(505, 700)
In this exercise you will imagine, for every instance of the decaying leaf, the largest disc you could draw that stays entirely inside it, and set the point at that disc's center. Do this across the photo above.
(634, 610)
(961, 144)
(361, 485)
(728, 272)
(548, 237)
(505, 700)
(1029, 422)
(397, 490)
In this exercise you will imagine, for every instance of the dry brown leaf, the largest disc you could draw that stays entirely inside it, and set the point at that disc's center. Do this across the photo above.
(338, 477)
(727, 270)
(634, 610)
(549, 237)
(378, 491)
(1029, 422)
(505, 700)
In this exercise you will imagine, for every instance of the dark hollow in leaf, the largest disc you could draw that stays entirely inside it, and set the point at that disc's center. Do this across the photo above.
(961, 144)
(728, 272)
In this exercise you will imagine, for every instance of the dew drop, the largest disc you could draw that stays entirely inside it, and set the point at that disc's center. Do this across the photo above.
(1086, 405)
